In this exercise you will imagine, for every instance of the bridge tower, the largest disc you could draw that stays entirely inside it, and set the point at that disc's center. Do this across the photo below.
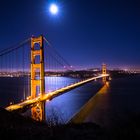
(104, 71)
(37, 77)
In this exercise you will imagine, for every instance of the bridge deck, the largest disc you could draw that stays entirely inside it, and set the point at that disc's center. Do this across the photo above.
(51, 95)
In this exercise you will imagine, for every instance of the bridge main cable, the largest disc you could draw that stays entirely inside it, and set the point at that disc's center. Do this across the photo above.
(14, 47)
(65, 62)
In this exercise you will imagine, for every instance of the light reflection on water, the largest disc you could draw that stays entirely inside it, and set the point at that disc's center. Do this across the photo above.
(54, 83)
(17, 89)
(121, 100)
(63, 107)
(119, 105)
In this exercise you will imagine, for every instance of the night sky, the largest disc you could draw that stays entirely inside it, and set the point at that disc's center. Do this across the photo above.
(85, 32)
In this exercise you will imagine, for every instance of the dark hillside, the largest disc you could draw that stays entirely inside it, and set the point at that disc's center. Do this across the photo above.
(14, 126)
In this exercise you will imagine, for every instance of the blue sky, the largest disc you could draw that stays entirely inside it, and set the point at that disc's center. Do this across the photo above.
(85, 32)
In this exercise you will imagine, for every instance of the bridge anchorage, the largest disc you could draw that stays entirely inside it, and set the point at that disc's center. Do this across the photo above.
(37, 83)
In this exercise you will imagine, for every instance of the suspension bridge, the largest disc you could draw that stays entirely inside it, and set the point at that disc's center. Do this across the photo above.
(29, 62)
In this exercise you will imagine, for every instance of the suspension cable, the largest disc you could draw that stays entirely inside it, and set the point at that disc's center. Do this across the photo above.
(56, 52)
(15, 47)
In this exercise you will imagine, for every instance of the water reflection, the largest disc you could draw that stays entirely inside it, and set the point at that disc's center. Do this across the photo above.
(63, 107)
(100, 102)
(118, 104)
(121, 99)
(13, 90)
(54, 83)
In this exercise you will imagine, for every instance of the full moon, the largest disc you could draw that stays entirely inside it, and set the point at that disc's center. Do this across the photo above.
(53, 9)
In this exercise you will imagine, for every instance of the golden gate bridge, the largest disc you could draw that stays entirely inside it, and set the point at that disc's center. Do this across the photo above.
(32, 60)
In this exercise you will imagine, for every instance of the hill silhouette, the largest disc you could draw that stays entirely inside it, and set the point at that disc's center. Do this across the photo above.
(15, 126)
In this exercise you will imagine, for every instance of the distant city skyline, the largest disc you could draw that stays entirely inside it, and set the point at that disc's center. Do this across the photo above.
(85, 33)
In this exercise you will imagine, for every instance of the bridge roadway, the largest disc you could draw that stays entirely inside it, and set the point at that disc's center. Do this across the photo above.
(50, 95)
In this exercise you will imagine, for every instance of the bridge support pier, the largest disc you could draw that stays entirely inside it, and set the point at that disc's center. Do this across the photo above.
(37, 77)
(38, 111)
